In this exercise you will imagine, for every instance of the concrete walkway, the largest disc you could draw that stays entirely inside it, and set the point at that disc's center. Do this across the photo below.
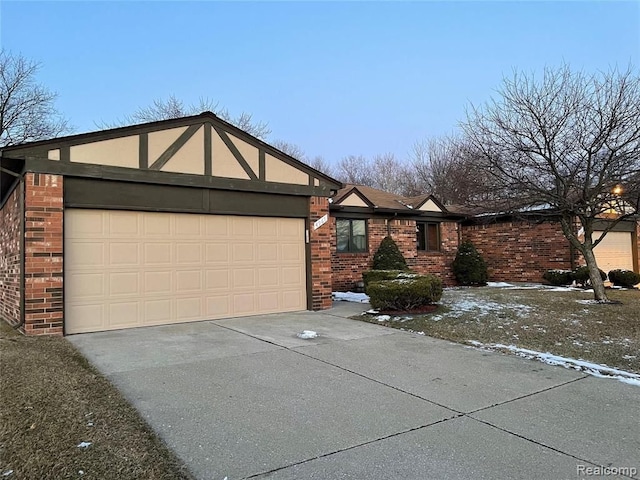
(246, 398)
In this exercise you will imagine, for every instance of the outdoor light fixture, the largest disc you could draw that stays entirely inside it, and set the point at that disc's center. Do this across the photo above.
(617, 190)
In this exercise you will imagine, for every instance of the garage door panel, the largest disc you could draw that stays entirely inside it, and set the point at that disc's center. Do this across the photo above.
(157, 312)
(189, 253)
(87, 317)
(157, 254)
(159, 282)
(124, 283)
(128, 269)
(124, 224)
(217, 252)
(188, 281)
(85, 224)
(243, 252)
(86, 285)
(243, 303)
(124, 314)
(156, 225)
(124, 254)
(218, 306)
(87, 254)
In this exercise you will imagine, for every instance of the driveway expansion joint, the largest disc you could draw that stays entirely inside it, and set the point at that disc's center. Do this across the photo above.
(509, 432)
(351, 447)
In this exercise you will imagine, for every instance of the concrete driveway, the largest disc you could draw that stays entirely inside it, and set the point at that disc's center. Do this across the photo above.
(246, 398)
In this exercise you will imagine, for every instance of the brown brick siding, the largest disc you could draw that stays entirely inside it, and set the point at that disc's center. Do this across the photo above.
(520, 251)
(347, 268)
(320, 241)
(10, 295)
(43, 257)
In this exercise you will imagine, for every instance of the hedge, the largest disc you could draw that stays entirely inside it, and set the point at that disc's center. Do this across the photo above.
(558, 277)
(377, 275)
(581, 275)
(402, 294)
(624, 278)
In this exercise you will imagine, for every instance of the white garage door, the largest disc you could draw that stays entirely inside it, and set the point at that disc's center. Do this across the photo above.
(615, 251)
(132, 269)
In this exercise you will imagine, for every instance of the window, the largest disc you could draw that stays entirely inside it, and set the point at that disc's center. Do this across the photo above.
(428, 236)
(351, 235)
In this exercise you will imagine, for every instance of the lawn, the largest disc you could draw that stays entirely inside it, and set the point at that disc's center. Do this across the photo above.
(59, 418)
(563, 323)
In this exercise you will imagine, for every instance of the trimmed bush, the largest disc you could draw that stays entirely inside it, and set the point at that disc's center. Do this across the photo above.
(405, 293)
(624, 278)
(558, 277)
(389, 257)
(377, 275)
(469, 267)
(581, 276)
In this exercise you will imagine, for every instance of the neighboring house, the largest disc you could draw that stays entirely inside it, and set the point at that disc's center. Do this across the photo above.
(424, 230)
(165, 222)
(521, 248)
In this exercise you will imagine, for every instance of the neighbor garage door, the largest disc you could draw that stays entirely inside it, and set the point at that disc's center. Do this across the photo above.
(615, 251)
(131, 269)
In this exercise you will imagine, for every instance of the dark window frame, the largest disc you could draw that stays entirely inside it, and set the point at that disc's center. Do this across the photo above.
(351, 247)
(422, 237)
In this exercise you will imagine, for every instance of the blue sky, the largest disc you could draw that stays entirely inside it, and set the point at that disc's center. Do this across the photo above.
(336, 78)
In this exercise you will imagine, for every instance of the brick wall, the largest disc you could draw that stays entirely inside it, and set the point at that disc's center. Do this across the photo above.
(320, 241)
(347, 268)
(10, 218)
(43, 257)
(520, 251)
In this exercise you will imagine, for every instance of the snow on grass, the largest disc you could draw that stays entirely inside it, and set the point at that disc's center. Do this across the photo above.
(307, 334)
(383, 318)
(84, 445)
(601, 371)
(481, 307)
(350, 297)
(499, 284)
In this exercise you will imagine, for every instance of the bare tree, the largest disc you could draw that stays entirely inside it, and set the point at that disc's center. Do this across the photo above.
(27, 111)
(172, 107)
(290, 149)
(445, 167)
(355, 169)
(569, 142)
(322, 165)
(390, 174)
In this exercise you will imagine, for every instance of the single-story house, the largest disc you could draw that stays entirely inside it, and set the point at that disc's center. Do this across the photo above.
(170, 221)
(426, 233)
(192, 219)
(521, 248)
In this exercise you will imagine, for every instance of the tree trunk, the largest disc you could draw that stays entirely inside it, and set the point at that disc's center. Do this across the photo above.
(594, 275)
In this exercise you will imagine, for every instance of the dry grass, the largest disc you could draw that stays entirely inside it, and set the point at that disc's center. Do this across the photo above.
(539, 320)
(52, 400)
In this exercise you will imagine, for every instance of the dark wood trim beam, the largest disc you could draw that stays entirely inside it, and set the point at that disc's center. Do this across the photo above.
(174, 147)
(40, 165)
(65, 153)
(261, 163)
(143, 151)
(208, 165)
(236, 153)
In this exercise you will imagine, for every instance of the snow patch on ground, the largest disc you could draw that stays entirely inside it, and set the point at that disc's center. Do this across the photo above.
(307, 334)
(481, 307)
(594, 369)
(350, 297)
(499, 284)
(383, 318)
(84, 445)
(588, 302)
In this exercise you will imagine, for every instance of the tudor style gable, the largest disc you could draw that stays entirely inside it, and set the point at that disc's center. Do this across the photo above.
(204, 146)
